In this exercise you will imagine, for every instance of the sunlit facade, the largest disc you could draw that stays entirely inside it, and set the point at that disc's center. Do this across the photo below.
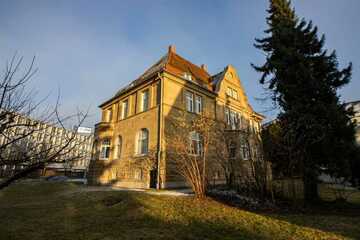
(131, 141)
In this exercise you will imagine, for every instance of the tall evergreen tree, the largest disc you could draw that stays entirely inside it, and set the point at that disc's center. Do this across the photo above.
(303, 79)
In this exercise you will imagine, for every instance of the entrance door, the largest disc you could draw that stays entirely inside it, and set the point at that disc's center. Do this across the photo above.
(153, 178)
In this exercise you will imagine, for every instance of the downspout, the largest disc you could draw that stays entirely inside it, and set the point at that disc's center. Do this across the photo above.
(159, 152)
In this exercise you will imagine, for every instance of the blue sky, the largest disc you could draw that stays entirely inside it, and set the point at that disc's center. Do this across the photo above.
(89, 49)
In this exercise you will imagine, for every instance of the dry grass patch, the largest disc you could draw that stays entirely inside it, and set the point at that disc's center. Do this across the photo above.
(55, 211)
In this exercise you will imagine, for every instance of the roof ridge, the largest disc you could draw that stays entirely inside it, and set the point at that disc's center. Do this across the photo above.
(154, 65)
(172, 62)
(187, 61)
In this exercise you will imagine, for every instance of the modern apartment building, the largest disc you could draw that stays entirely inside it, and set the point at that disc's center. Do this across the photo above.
(45, 135)
(136, 121)
(356, 118)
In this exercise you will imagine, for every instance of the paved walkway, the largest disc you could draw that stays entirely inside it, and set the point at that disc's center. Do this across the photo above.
(174, 192)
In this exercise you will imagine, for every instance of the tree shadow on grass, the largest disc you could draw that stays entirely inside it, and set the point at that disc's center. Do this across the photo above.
(341, 219)
(114, 215)
(134, 215)
(338, 218)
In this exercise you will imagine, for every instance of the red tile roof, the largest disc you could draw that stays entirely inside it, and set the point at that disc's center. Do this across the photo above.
(174, 64)
(178, 66)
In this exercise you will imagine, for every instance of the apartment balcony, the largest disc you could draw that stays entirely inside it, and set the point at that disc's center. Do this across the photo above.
(101, 126)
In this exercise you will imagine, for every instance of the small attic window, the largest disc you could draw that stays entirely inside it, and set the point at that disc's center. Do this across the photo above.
(187, 76)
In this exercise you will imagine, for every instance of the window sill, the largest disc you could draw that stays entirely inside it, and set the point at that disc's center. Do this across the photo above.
(195, 155)
(135, 114)
(197, 113)
(229, 96)
(138, 155)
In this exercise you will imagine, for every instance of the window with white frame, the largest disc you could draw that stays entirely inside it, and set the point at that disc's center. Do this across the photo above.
(118, 147)
(232, 150)
(229, 92)
(125, 109)
(234, 94)
(187, 76)
(105, 149)
(245, 151)
(239, 118)
(254, 126)
(145, 100)
(247, 123)
(196, 147)
(227, 115)
(233, 120)
(142, 142)
(189, 98)
(108, 115)
(198, 104)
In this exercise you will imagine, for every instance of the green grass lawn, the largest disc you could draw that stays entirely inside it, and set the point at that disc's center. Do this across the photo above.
(62, 211)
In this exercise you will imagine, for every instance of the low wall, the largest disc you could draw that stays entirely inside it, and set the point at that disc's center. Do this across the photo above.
(289, 188)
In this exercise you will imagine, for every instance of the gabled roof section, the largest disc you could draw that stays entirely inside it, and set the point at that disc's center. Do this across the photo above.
(174, 64)
(217, 79)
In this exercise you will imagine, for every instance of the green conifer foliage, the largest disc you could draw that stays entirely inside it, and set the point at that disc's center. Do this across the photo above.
(303, 79)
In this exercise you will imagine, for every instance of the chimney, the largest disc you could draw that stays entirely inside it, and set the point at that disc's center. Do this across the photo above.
(204, 67)
(172, 48)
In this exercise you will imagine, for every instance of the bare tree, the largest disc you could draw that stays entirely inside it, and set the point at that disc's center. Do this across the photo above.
(191, 137)
(239, 153)
(20, 147)
(260, 170)
(225, 145)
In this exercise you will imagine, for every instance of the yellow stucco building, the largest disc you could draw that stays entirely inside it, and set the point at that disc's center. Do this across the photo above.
(131, 141)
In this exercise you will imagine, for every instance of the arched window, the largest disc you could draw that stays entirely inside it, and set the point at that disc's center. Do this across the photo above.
(196, 147)
(143, 142)
(118, 147)
(105, 149)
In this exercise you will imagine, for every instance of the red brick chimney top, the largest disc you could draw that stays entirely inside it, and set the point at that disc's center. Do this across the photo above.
(172, 48)
(204, 67)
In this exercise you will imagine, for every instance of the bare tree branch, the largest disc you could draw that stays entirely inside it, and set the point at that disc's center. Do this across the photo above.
(27, 144)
